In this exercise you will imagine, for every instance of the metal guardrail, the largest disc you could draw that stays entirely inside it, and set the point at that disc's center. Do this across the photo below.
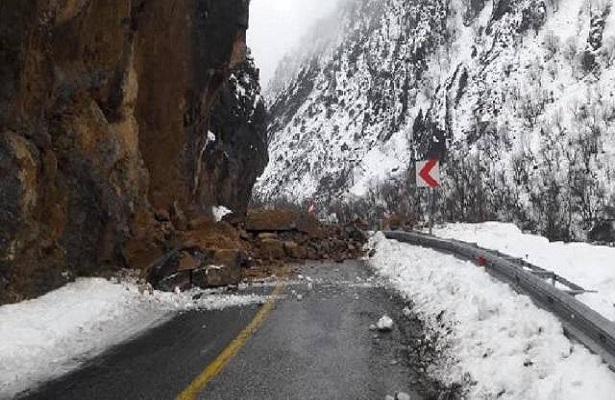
(579, 321)
(572, 288)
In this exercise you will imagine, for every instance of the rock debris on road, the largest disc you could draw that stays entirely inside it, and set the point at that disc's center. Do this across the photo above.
(315, 344)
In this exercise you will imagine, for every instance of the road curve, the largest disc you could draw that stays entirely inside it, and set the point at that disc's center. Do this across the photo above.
(315, 343)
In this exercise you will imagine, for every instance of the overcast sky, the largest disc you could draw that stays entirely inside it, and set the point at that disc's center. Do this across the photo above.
(276, 27)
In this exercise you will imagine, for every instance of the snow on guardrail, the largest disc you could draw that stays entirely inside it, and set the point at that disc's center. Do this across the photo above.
(581, 322)
(587, 265)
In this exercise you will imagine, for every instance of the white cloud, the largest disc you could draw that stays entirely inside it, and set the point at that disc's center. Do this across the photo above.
(276, 27)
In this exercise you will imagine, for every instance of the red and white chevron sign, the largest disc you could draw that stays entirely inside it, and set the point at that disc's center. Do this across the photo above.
(428, 174)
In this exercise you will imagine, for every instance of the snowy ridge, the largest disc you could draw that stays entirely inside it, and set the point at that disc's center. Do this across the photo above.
(496, 343)
(517, 98)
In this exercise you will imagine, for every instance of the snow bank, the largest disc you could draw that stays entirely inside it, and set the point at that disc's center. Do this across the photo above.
(587, 265)
(54, 334)
(494, 341)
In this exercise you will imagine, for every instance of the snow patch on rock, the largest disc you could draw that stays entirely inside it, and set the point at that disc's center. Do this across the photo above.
(220, 212)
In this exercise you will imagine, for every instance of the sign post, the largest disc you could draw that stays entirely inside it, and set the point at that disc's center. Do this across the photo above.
(428, 176)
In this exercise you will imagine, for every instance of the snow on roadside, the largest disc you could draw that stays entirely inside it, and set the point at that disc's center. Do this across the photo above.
(494, 341)
(589, 266)
(54, 334)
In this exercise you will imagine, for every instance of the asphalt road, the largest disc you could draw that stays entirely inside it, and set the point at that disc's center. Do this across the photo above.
(314, 344)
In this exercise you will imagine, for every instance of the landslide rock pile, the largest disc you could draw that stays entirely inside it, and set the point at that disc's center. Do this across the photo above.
(209, 254)
(288, 235)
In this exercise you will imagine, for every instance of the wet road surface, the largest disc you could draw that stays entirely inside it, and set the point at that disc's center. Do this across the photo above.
(317, 345)
(314, 344)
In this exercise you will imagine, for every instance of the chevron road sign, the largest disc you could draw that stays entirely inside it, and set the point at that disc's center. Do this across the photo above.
(428, 174)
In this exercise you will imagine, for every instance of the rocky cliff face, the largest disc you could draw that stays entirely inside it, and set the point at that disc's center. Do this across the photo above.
(515, 97)
(104, 113)
(237, 155)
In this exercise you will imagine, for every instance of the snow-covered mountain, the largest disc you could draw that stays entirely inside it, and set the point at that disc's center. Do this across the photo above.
(515, 97)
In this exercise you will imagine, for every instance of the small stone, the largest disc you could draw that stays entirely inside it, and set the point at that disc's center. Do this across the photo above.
(162, 215)
(407, 312)
(385, 324)
(403, 396)
(267, 235)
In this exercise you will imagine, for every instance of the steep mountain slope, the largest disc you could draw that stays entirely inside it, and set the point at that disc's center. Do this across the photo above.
(515, 97)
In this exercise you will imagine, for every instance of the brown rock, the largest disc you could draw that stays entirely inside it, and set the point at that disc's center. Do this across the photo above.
(271, 249)
(200, 223)
(162, 215)
(245, 235)
(312, 254)
(267, 235)
(140, 254)
(227, 257)
(178, 218)
(280, 221)
(217, 276)
(167, 228)
(339, 245)
(214, 236)
(295, 251)
(188, 262)
(233, 219)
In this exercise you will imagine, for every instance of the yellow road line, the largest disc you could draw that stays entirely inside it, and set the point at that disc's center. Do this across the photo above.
(213, 369)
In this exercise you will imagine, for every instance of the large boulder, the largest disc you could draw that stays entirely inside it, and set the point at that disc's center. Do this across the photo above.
(198, 267)
(280, 221)
(295, 251)
(271, 249)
